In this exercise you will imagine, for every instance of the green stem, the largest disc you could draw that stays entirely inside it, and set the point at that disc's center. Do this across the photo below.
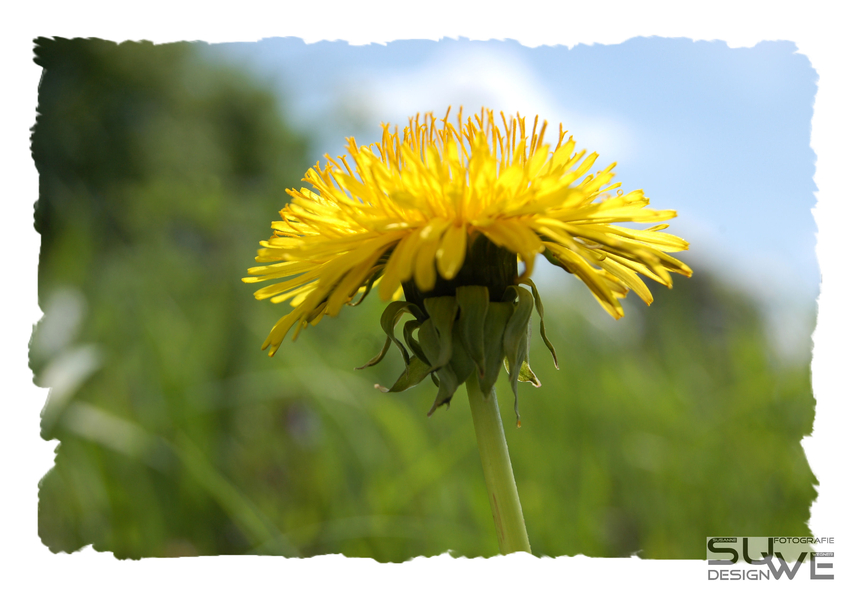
(498, 474)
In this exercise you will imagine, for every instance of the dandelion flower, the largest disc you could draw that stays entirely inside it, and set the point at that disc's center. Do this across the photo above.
(442, 206)
(442, 215)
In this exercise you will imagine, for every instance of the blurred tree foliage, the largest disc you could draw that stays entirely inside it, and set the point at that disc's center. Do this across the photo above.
(158, 174)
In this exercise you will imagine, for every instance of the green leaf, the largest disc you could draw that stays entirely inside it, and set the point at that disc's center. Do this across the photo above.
(473, 302)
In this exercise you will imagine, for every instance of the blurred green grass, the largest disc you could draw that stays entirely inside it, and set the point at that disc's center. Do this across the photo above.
(159, 172)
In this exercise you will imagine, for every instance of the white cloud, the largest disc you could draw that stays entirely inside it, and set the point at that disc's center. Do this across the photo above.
(474, 76)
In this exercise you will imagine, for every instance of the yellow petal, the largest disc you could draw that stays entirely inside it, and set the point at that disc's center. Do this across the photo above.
(452, 251)
(424, 273)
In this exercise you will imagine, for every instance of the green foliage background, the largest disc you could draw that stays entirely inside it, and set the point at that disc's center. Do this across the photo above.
(159, 172)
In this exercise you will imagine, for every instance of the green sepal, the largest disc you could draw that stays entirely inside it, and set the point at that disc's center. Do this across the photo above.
(527, 375)
(498, 314)
(462, 364)
(369, 284)
(553, 259)
(473, 302)
(413, 373)
(438, 352)
(484, 335)
(430, 343)
(392, 314)
(515, 340)
(538, 304)
(441, 313)
(449, 377)
(447, 387)
(377, 358)
(412, 343)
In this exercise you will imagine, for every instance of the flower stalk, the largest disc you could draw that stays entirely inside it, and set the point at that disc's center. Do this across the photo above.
(498, 473)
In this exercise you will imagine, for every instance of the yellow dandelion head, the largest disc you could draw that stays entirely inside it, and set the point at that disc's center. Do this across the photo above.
(440, 205)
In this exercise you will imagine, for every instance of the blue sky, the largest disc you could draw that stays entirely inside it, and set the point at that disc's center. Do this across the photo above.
(719, 134)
